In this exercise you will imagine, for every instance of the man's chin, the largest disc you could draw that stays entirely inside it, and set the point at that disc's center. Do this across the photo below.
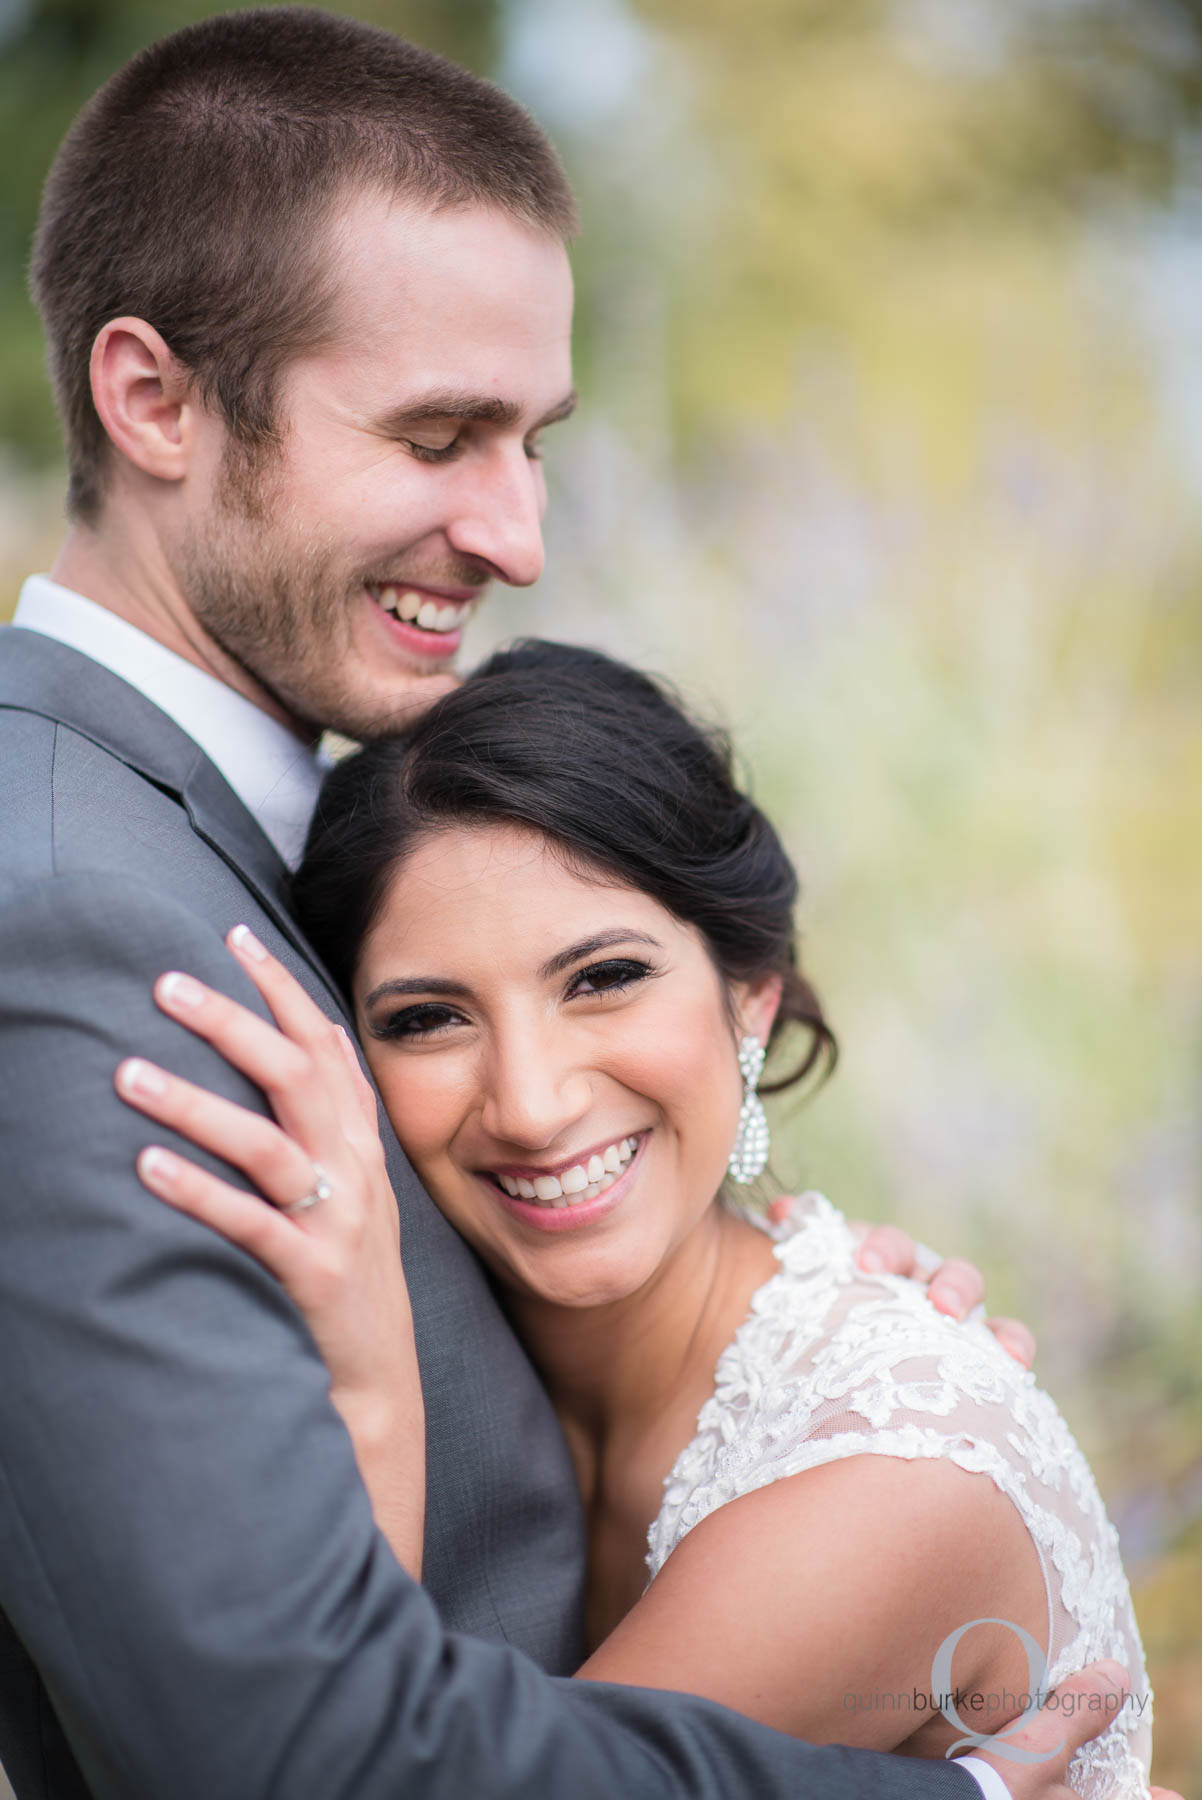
(394, 713)
(417, 700)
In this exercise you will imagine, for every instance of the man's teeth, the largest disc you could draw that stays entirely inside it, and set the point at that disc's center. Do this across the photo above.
(584, 1181)
(427, 615)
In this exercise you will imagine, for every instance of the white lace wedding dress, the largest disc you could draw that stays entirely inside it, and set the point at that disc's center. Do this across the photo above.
(831, 1363)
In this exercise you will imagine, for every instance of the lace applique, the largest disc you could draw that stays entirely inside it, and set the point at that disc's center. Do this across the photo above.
(832, 1363)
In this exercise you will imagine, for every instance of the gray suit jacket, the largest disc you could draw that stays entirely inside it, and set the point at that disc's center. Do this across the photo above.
(194, 1601)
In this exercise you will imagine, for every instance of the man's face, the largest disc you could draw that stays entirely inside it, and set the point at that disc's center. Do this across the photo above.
(340, 571)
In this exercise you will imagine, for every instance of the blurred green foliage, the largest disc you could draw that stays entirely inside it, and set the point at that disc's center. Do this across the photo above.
(892, 455)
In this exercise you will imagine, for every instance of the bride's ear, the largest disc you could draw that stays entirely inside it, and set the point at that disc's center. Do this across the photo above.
(756, 1004)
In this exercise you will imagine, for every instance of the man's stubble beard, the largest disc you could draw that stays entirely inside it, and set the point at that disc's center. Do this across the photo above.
(274, 604)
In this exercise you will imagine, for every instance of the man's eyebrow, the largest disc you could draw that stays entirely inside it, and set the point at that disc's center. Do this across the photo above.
(604, 940)
(447, 404)
(562, 410)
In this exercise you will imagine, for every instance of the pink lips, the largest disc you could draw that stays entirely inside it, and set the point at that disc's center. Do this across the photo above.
(427, 644)
(570, 1218)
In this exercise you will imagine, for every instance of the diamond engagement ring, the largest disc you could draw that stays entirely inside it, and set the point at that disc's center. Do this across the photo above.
(321, 1190)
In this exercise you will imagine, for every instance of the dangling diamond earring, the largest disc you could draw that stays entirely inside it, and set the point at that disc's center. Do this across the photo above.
(750, 1153)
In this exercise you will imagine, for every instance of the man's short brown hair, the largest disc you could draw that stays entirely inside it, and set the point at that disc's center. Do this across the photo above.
(192, 191)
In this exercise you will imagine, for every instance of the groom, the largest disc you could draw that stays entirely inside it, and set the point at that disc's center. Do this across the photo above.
(308, 310)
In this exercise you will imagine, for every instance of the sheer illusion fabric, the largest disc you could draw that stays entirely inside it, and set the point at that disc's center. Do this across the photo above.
(833, 1363)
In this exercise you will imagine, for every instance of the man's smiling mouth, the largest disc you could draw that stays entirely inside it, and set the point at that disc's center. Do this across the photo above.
(422, 611)
(584, 1180)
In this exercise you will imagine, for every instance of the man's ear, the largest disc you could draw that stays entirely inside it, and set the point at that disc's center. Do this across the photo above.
(143, 399)
(756, 1005)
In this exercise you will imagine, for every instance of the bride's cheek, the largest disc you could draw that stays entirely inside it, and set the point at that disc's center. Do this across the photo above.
(428, 1102)
(404, 1100)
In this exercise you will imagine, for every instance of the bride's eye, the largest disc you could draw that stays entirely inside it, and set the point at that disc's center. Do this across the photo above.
(611, 977)
(423, 1021)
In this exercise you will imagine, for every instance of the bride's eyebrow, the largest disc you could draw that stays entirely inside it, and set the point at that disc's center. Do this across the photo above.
(405, 986)
(418, 984)
(603, 940)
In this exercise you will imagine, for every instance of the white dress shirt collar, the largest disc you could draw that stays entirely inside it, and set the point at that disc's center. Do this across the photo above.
(272, 772)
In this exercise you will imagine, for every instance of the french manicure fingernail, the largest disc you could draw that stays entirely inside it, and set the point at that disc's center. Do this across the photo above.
(158, 1167)
(872, 1261)
(138, 1077)
(180, 990)
(244, 940)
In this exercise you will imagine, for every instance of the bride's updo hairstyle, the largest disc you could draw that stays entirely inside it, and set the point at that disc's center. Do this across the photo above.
(603, 762)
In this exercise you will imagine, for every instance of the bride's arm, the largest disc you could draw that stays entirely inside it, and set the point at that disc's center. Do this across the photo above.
(339, 1257)
(817, 1605)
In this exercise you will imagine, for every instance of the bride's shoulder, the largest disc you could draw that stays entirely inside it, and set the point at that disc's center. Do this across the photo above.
(806, 1229)
(815, 1250)
(832, 1362)
(817, 1274)
(831, 1347)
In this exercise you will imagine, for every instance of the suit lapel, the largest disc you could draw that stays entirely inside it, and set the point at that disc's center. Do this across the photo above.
(40, 675)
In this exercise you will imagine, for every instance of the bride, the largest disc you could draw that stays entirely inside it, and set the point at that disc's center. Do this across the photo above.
(568, 940)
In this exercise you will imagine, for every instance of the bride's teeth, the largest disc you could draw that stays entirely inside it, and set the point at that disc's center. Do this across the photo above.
(409, 607)
(583, 1181)
(427, 615)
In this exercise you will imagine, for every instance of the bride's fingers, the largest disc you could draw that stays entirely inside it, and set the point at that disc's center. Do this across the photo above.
(1016, 1338)
(278, 1166)
(302, 1021)
(264, 1233)
(294, 1077)
(955, 1287)
(364, 1092)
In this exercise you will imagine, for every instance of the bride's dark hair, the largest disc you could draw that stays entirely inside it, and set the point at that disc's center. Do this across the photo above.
(605, 763)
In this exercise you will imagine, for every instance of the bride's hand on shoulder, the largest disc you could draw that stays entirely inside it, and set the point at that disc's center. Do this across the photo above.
(331, 1233)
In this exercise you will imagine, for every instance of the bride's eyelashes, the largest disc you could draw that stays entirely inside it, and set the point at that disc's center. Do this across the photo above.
(614, 976)
(427, 1019)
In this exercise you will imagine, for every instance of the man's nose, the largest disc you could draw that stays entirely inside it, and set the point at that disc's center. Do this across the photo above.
(498, 515)
(534, 1090)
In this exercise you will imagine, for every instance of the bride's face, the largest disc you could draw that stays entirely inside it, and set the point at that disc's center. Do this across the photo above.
(557, 1056)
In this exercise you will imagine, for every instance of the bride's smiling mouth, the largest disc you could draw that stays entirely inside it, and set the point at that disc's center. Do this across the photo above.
(576, 1192)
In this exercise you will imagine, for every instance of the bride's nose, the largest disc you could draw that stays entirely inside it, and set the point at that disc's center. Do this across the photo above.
(534, 1090)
